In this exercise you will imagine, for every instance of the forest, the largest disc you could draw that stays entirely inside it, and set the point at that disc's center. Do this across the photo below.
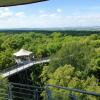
(75, 59)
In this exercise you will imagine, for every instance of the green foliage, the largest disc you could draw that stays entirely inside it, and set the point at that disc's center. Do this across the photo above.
(3, 88)
(77, 54)
(41, 45)
(67, 76)
(94, 37)
(98, 62)
(75, 60)
(6, 59)
(75, 65)
(61, 75)
(95, 43)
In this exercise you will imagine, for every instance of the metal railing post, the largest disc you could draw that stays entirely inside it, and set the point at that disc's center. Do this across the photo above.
(36, 95)
(10, 96)
(72, 97)
(49, 93)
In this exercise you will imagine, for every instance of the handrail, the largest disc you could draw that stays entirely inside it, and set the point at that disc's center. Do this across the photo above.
(18, 66)
(26, 85)
(26, 90)
(75, 90)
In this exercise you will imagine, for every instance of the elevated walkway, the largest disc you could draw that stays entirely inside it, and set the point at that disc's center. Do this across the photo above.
(16, 69)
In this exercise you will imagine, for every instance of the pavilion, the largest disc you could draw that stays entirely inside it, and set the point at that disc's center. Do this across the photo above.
(23, 56)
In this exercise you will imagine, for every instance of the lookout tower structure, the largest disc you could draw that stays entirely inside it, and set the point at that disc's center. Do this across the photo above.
(23, 56)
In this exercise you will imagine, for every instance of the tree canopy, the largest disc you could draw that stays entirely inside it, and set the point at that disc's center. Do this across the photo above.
(75, 60)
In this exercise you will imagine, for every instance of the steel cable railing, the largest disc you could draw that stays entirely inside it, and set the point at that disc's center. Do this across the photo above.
(26, 92)
(65, 93)
(17, 91)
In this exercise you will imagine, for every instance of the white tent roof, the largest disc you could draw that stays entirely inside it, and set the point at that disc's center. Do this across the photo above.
(22, 52)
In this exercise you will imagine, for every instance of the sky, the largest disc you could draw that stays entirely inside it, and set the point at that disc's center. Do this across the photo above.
(52, 14)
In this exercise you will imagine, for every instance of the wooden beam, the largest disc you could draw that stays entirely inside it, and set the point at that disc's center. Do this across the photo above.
(6, 3)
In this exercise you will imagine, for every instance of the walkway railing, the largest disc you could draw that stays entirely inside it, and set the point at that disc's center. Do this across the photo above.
(35, 61)
(65, 93)
(18, 91)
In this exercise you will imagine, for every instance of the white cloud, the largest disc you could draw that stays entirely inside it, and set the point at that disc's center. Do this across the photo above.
(59, 10)
(5, 13)
(6, 9)
(10, 19)
(48, 15)
(42, 11)
(20, 14)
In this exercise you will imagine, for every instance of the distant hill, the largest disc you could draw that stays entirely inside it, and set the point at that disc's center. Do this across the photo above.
(95, 28)
(81, 31)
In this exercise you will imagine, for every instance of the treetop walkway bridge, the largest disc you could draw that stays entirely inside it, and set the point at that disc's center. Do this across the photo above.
(18, 68)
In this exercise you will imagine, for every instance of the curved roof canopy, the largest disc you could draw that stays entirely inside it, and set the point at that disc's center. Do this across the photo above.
(6, 3)
(22, 52)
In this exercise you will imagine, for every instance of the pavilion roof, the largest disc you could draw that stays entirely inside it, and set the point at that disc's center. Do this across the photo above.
(4, 3)
(22, 52)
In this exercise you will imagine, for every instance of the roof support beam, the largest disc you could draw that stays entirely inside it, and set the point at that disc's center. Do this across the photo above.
(6, 3)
